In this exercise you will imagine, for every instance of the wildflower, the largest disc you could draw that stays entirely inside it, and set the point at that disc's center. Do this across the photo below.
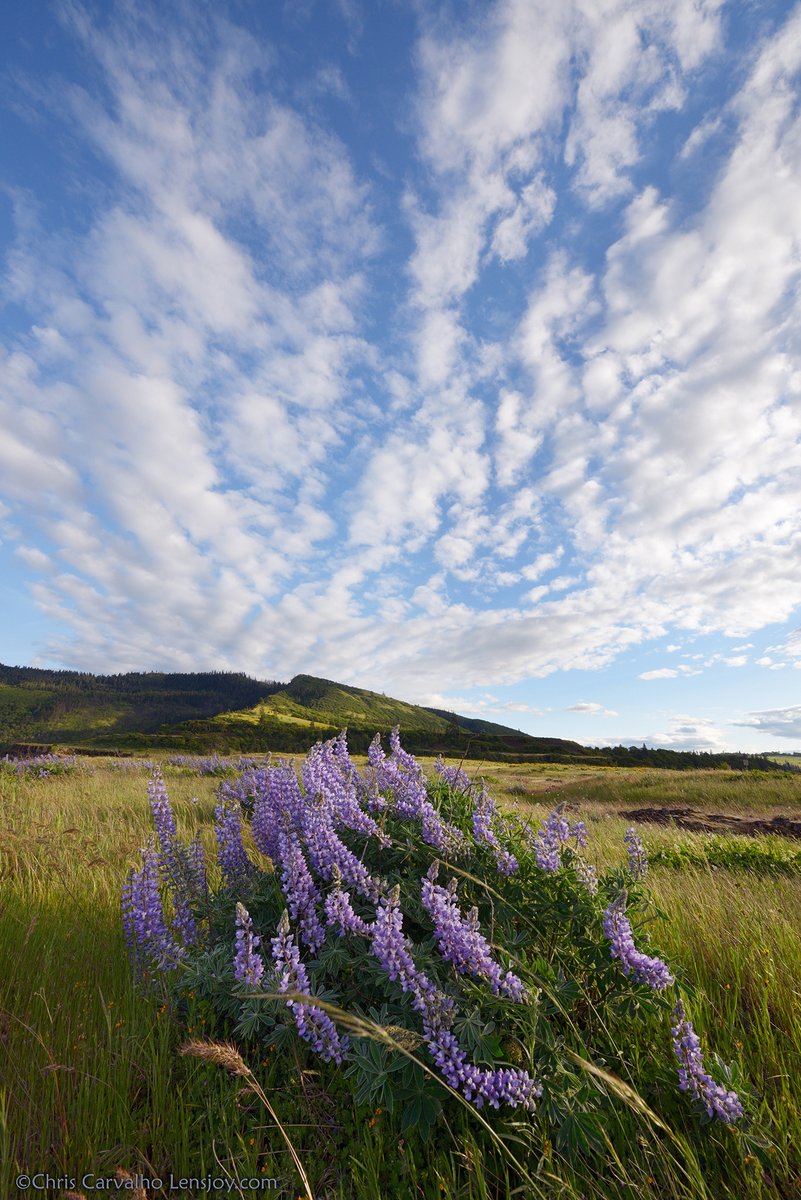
(638, 861)
(650, 971)
(554, 833)
(507, 1085)
(389, 945)
(455, 777)
(146, 930)
(248, 965)
(485, 815)
(181, 867)
(329, 771)
(460, 941)
(718, 1102)
(402, 777)
(313, 1025)
(234, 863)
(339, 911)
(479, 1085)
(300, 890)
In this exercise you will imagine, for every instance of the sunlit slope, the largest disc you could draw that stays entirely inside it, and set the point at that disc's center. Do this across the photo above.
(308, 709)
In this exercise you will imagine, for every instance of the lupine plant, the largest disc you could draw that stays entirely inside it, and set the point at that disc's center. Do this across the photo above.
(40, 766)
(494, 953)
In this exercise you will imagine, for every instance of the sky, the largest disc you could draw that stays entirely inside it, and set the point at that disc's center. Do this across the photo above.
(451, 350)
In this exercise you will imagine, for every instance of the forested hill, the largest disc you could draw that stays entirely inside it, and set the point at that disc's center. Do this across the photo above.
(215, 710)
(228, 712)
(74, 706)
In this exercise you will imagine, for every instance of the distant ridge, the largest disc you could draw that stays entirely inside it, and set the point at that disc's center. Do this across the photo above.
(225, 711)
(229, 712)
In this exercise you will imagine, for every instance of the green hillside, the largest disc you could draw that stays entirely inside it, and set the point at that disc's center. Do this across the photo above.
(345, 706)
(209, 711)
(68, 707)
(308, 709)
(226, 712)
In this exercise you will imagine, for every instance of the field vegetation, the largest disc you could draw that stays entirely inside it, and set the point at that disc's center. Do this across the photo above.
(91, 1079)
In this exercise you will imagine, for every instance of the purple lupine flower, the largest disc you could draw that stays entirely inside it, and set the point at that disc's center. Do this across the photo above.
(340, 912)
(485, 816)
(507, 1085)
(460, 941)
(328, 854)
(161, 808)
(367, 784)
(554, 833)
(182, 869)
(313, 1025)
(579, 832)
(651, 971)
(328, 771)
(455, 777)
(300, 890)
(638, 860)
(390, 947)
(248, 964)
(146, 930)
(720, 1103)
(402, 777)
(278, 804)
(196, 863)
(232, 856)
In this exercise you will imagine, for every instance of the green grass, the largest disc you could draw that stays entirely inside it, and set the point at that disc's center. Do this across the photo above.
(89, 1075)
(766, 855)
(614, 789)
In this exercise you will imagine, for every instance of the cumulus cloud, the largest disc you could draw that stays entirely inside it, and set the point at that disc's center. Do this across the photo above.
(242, 431)
(667, 672)
(778, 722)
(591, 708)
(689, 733)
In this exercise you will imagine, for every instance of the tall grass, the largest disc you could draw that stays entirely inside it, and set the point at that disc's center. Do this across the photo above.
(90, 1078)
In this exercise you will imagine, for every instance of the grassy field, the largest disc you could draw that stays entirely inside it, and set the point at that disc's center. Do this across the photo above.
(89, 1076)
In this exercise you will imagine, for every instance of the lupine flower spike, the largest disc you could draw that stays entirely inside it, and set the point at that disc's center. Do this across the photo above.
(313, 1025)
(717, 1101)
(638, 861)
(460, 941)
(650, 971)
(248, 965)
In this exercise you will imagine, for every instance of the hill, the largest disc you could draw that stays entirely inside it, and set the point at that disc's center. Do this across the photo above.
(207, 711)
(227, 712)
(61, 707)
(308, 708)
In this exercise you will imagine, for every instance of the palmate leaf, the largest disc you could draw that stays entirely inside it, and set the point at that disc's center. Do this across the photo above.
(420, 1113)
(370, 1067)
(579, 1132)
(478, 1037)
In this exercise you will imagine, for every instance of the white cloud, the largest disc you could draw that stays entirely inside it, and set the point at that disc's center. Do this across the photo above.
(484, 706)
(778, 722)
(591, 708)
(689, 733)
(226, 469)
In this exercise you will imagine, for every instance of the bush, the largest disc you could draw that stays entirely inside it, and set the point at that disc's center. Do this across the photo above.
(439, 962)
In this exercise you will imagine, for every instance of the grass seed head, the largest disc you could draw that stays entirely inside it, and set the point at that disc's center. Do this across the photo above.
(222, 1054)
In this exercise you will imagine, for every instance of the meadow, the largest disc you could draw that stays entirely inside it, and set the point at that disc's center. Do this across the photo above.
(91, 1081)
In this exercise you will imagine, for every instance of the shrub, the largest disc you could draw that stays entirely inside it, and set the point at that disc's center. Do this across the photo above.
(432, 954)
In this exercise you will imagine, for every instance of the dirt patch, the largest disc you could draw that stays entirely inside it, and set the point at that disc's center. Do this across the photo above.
(691, 818)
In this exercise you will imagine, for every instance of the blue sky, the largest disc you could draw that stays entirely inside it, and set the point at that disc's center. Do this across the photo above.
(450, 350)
